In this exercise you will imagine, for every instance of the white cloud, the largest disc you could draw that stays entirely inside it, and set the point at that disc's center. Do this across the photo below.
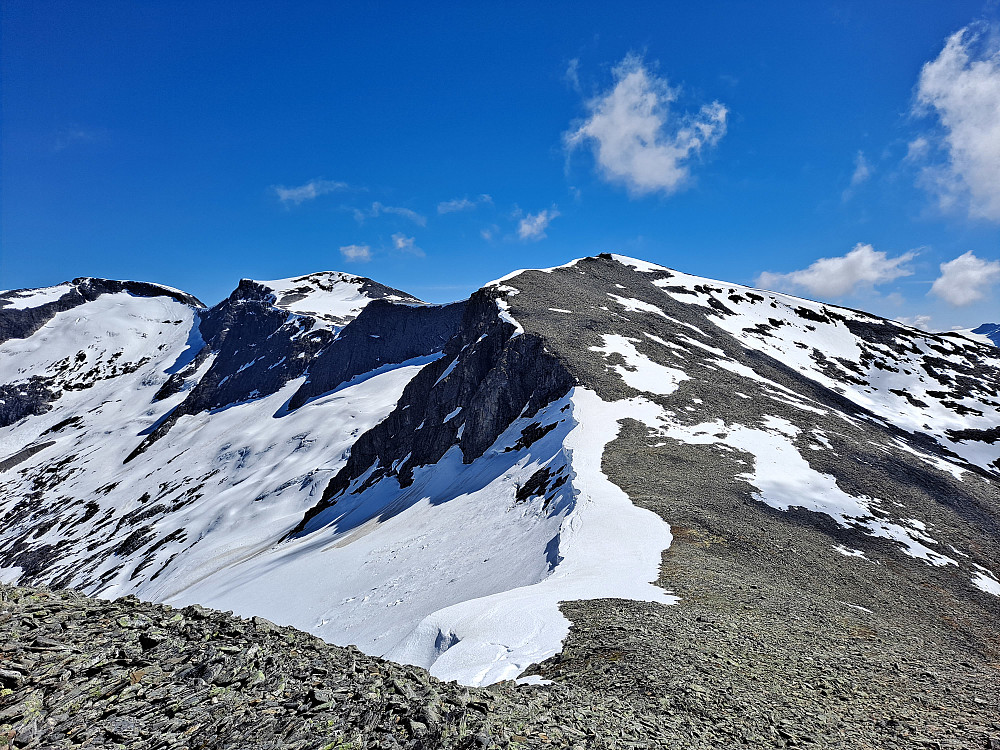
(533, 226)
(966, 279)
(407, 245)
(458, 204)
(311, 190)
(356, 253)
(962, 87)
(837, 277)
(636, 140)
(462, 204)
(862, 170)
(490, 232)
(923, 322)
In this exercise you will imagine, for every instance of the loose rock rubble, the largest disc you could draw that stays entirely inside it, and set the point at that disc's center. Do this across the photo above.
(79, 672)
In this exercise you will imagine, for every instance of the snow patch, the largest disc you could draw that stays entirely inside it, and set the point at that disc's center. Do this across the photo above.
(639, 371)
(985, 580)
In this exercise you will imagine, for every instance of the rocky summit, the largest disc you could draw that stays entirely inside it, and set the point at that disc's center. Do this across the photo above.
(606, 504)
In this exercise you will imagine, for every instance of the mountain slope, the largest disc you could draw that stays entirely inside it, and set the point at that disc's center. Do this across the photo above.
(88, 504)
(431, 482)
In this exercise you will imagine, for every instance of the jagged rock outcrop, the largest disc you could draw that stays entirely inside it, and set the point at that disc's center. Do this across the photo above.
(384, 333)
(485, 380)
(257, 346)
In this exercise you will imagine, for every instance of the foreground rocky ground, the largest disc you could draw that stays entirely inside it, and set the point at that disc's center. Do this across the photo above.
(80, 672)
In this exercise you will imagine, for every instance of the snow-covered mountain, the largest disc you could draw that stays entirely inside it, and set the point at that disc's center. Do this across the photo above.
(990, 330)
(430, 482)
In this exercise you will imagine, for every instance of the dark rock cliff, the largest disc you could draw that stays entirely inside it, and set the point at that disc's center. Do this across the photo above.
(383, 333)
(487, 378)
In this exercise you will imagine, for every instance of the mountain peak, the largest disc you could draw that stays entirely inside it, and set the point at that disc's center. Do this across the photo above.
(89, 288)
(332, 297)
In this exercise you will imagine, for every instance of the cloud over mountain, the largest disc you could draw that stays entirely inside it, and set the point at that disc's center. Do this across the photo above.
(635, 138)
(839, 276)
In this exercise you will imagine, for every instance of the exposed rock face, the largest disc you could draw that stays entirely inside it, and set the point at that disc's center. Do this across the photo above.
(483, 382)
(257, 346)
(27, 398)
(990, 331)
(256, 349)
(384, 333)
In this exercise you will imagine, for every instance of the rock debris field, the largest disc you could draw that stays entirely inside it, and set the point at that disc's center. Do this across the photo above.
(81, 672)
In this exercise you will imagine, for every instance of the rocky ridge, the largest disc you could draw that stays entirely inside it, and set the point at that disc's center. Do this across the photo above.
(830, 481)
(79, 672)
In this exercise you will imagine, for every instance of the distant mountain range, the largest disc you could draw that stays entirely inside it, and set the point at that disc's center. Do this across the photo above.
(990, 331)
(451, 485)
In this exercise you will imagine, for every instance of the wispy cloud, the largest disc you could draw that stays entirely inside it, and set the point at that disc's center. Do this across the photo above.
(966, 279)
(836, 277)
(310, 191)
(73, 136)
(378, 209)
(636, 140)
(462, 204)
(532, 227)
(862, 173)
(356, 253)
(917, 149)
(961, 87)
(407, 245)
(406, 213)
(572, 74)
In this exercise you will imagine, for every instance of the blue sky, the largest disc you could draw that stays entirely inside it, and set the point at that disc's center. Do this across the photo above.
(434, 147)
